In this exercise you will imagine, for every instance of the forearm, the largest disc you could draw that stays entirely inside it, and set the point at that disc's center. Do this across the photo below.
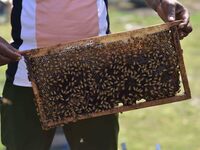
(153, 3)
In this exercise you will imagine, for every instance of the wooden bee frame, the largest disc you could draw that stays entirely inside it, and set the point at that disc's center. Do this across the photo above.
(47, 123)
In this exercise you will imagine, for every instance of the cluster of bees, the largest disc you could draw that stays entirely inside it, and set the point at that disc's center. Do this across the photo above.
(93, 78)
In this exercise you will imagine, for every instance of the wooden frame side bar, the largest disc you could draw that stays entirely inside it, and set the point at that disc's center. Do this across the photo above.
(183, 73)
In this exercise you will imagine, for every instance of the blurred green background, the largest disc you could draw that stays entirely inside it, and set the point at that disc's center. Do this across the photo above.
(173, 126)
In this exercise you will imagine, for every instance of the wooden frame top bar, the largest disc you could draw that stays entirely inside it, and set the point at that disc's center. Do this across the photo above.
(100, 39)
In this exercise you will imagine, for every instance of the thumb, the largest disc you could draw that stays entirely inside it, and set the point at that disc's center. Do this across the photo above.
(171, 14)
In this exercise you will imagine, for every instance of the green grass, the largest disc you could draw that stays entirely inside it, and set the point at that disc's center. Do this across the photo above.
(5, 33)
(2, 77)
(174, 126)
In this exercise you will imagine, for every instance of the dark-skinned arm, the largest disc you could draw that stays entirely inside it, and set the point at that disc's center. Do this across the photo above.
(171, 10)
(8, 53)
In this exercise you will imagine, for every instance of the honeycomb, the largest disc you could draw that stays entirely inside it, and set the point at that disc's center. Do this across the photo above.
(94, 77)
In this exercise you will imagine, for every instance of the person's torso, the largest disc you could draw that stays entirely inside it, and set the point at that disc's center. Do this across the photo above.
(42, 23)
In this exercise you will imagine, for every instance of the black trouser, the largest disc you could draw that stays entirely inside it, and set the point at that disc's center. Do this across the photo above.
(21, 129)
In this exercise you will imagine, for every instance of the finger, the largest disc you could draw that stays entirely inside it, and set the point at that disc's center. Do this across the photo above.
(5, 51)
(171, 12)
(182, 34)
(185, 22)
(187, 28)
(4, 60)
(166, 10)
(183, 14)
(185, 25)
(185, 31)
